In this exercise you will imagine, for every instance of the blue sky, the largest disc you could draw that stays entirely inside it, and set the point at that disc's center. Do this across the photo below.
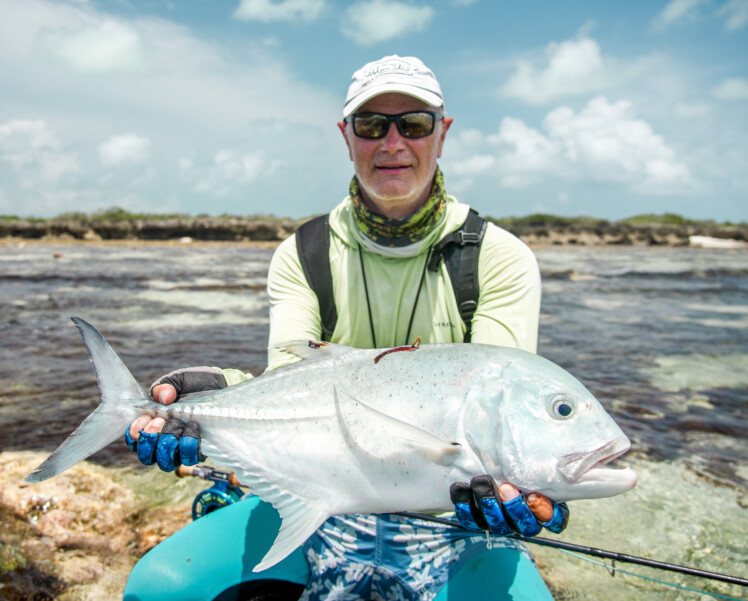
(605, 109)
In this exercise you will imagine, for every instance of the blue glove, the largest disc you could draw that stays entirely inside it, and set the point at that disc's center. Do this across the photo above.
(178, 443)
(478, 508)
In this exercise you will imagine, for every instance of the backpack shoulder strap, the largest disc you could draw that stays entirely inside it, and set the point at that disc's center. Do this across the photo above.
(313, 246)
(460, 251)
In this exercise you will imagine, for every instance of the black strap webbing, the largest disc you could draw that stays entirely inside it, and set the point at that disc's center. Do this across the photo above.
(313, 246)
(460, 251)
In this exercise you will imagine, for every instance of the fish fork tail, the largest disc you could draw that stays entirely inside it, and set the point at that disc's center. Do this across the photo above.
(122, 400)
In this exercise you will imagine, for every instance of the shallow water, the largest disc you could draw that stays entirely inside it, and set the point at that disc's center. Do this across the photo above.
(659, 335)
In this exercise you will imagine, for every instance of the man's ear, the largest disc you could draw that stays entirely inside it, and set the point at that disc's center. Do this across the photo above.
(342, 126)
(446, 123)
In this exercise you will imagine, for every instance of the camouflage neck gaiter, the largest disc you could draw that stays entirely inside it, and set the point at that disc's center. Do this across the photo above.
(399, 232)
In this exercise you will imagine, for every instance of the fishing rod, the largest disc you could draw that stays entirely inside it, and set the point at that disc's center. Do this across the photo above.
(612, 555)
(230, 480)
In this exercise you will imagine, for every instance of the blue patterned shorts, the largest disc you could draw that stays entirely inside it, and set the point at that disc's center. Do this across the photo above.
(388, 557)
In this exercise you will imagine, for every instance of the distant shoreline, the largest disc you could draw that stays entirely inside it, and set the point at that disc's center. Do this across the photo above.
(537, 230)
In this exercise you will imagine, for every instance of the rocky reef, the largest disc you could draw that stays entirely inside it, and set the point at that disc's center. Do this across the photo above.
(78, 535)
(624, 234)
(536, 230)
(172, 228)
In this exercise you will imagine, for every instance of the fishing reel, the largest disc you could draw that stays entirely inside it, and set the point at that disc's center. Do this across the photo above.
(225, 490)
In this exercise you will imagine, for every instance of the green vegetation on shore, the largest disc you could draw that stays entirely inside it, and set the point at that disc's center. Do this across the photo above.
(118, 224)
(117, 214)
(649, 219)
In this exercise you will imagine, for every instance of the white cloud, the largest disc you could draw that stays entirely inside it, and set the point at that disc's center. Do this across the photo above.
(473, 165)
(375, 21)
(126, 149)
(279, 10)
(524, 153)
(735, 88)
(34, 152)
(574, 67)
(96, 46)
(735, 13)
(194, 95)
(182, 82)
(696, 110)
(604, 142)
(569, 68)
(678, 11)
(231, 168)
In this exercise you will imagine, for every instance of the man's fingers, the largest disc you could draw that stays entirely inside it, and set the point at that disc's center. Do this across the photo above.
(146, 423)
(138, 425)
(488, 506)
(516, 508)
(503, 509)
(507, 492)
(165, 394)
(541, 507)
(155, 425)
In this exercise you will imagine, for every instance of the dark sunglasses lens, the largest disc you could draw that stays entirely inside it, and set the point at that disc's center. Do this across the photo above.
(416, 125)
(410, 125)
(370, 126)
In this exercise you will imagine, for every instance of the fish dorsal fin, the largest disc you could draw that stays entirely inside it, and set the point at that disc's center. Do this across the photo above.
(312, 350)
(367, 428)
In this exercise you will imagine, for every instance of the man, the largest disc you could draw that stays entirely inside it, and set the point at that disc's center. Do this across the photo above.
(386, 292)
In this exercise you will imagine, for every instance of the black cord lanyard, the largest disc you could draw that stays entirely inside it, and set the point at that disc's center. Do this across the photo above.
(368, 302)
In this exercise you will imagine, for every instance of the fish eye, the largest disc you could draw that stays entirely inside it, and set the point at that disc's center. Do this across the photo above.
(562, 408)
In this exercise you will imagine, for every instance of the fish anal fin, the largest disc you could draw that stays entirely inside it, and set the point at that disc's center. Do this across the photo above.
(299, 517)
(367, 428)
(299, 521)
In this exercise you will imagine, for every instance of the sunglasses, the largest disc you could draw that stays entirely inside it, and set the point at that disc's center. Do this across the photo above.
(414, 124)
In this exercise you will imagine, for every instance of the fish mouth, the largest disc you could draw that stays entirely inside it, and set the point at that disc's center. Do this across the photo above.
(590, 467)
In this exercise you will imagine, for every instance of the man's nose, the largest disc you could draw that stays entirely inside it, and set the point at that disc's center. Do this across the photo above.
(392, 141)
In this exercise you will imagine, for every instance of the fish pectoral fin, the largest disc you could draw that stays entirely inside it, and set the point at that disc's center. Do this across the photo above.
(312, 350)
(367, 425)
(299, 521)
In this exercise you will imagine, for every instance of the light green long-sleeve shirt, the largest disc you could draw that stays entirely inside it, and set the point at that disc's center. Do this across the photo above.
(508, 305)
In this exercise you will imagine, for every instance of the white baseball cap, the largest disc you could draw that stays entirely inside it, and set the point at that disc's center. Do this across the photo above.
(402, 75)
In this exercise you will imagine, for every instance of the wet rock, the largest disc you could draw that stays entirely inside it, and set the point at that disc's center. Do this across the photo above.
(157, 525)
(77, 535)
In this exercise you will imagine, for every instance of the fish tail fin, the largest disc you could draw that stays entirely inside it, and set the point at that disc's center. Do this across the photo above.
(122, 399)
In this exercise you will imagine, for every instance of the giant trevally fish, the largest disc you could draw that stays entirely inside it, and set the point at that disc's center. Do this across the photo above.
(373, 431)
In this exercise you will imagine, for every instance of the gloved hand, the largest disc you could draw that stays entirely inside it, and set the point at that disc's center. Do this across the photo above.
(172, 443)
(177, 443)
(482, 505)
(186, 381)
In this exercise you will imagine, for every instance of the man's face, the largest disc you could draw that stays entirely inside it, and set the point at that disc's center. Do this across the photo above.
(395, 173)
